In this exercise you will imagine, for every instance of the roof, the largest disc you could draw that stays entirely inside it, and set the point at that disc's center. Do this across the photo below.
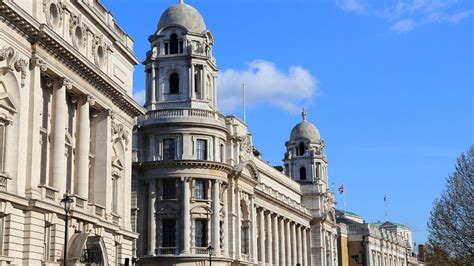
(305, 131)
(182, 15)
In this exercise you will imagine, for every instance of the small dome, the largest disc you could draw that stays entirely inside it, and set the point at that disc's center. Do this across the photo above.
(182, 15)
(305, 130)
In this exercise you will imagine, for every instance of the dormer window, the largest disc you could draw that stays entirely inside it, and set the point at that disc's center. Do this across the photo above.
(174, 83)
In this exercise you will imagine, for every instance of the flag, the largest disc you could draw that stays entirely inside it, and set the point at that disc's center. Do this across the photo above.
(385, 198)
(341, 189)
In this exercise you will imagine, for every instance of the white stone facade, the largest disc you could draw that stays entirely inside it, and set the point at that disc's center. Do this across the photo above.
(198, 181)
(66, 120)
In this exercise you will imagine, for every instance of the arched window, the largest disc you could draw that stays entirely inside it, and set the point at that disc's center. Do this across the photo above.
(174, 44)
(174, 83)
(302, 173)
(301, 148)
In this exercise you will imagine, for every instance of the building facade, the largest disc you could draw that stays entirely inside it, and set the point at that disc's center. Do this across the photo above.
(66, 120)
(379, 244)
(200, 188)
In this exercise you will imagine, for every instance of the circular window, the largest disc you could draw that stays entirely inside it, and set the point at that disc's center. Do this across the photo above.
(79, 38)
(54, 14)
(100, 55)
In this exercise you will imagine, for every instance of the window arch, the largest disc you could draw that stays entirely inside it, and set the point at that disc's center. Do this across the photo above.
(174, 83)
(303, 173)
(174, 44)
(301, 148)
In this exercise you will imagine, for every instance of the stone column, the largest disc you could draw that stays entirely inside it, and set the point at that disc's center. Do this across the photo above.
(186, 216)
(83, 146)
(254, 229)
(216, 205)
(151, 148)
(238, 225)
(226, 223)
(153, 86)
(299, 247)
(276, 241)
(262, 235)
(151, 218)
(192, 86)
(289, 257)
(293, 244)
(269, 238)
(283, 248)
(58, 159)
(305, 248)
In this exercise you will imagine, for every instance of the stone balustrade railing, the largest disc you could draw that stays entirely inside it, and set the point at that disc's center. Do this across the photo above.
(167, 251)
(3, 182)
(282, 198)
(184, 113)
(378, 232)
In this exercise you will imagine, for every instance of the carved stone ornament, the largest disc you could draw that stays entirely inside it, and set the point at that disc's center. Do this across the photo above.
(14, 63)
(119, 132)
(35, 61)
(246, 149)
(54, 12)
(100, 50)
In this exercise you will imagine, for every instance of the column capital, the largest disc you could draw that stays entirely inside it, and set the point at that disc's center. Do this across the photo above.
(63, 82)
(35, 61)
(186, 179)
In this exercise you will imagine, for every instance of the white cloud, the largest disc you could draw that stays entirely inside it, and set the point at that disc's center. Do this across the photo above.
(406, 15)
(266, 84)
(404, 25)
(357, 6)
(139, 96)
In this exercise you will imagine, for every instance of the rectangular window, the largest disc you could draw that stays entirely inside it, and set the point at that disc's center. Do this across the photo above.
(2, 232)
(200, 232)
(201, 149)
(245, 240)
(169, 233)
(115, 195)
(166, 48)
(200, 189)
(2, 146)
(169, 149)
(47, 241)
(169, 189)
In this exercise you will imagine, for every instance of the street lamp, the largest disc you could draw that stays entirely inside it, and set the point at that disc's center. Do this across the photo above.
(210, 249)
(68, 201)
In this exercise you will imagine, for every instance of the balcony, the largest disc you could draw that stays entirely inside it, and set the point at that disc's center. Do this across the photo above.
(48, 193)
(168, 251)
(183, 116)
(201, 250)
(3, 182)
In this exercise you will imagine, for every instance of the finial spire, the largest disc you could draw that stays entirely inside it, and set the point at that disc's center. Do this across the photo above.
(303, 114)
(181, 1)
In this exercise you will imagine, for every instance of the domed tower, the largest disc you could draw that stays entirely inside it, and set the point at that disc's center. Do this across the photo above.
(305, 159)
(180, 68)
(306, 163)
(180, 172)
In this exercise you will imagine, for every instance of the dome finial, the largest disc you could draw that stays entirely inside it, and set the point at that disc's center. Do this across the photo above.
(181, 1)
(303, 114)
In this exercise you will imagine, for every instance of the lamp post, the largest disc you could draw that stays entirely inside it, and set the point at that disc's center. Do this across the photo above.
(210, 249)
(67, 200)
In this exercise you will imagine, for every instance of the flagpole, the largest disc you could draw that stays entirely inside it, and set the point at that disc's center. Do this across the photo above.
(385, 203)
(243, 105)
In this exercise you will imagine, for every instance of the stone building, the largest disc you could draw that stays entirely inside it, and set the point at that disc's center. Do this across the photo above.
(66, 120)
(199, 184)
(379, 244)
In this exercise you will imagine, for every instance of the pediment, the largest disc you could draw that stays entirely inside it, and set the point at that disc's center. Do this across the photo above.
(7, 103)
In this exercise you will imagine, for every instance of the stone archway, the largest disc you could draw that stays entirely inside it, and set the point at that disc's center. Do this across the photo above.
(86, 249)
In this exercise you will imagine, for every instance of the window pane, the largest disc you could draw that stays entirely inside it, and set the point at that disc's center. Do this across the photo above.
(201, 149)
(169, 189)
(169, 149)
(174, 83)
(169, 233)
(200, 189)
(201, 233)
(174, 44)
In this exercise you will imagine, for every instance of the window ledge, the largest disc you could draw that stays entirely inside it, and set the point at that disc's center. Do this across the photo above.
(169, 200)
(201, 200)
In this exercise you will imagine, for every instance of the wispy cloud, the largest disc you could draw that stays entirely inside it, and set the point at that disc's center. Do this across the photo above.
(265, 83)
(406, 15)
(139, 96)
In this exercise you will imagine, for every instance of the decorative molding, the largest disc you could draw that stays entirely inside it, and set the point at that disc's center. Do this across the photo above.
(119, 132)
(35, 61)
(14, 63)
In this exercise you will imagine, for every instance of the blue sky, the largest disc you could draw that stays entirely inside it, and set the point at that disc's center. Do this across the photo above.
(388, 83)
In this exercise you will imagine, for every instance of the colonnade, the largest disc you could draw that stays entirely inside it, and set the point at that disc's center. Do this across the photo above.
(281, 240)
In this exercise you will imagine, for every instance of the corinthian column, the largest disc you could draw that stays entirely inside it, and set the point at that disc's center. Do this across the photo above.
(276, 241)
(282, 241)
(59, 138)
(289, 256)
(151, 218)
(300, 249)
(83, 145)
(216, 218)
(186, 216)
(293, 244)
(262, 235)
(238, 234)
(153, 86)
(269, 238)
(305, 248)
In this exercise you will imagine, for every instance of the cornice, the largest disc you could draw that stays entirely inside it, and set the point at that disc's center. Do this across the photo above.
(187, 163)
(42, 34)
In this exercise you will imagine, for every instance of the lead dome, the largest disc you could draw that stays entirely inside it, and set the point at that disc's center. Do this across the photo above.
(305, 131)
(182, 15)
